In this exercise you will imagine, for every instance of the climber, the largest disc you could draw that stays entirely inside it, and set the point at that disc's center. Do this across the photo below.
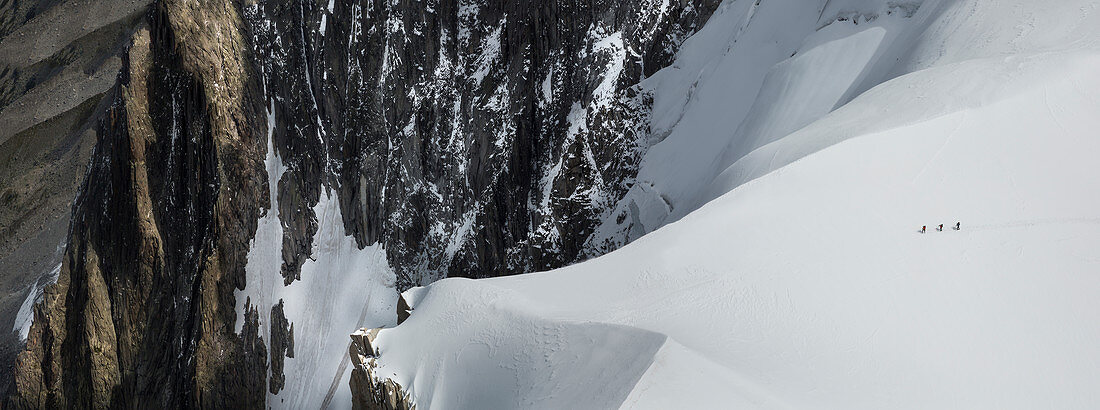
(922, 228)
(940, 228)
(958, 226)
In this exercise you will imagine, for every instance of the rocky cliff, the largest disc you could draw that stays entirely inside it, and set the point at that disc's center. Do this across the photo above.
(57, 60)
(467, 138)
(142, 311)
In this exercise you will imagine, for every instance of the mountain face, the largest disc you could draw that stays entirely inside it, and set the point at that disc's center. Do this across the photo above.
(464, 138)
(161, 225)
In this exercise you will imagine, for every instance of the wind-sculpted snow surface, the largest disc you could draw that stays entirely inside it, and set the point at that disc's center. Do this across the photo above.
(805, 282)
(530, 360)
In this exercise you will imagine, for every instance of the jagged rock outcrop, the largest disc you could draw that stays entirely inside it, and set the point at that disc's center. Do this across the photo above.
(57, 61)
(142, 312)
(368, 390)
(282, 346)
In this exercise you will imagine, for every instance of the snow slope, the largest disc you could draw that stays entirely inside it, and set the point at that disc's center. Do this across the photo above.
(794, 274)
(341, 289)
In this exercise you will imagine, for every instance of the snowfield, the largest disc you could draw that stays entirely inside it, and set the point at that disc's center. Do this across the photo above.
(805, 146)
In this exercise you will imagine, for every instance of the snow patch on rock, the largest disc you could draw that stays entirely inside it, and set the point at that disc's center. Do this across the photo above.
(25, 316)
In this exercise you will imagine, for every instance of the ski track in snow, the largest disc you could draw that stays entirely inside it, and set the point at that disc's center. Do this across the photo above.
(946, 141)
(1037, 222)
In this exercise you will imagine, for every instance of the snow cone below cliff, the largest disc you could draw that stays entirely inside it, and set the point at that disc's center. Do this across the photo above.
(806, 147)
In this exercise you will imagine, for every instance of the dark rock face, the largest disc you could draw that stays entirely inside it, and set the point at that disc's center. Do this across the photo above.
(142, 313)
(55, 68)
(282, 345)
(473, 138)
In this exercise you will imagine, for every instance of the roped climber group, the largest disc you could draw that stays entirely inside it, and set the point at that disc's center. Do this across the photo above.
(958, 226)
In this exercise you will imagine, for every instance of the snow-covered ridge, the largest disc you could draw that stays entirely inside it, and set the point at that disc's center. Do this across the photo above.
(795, 274)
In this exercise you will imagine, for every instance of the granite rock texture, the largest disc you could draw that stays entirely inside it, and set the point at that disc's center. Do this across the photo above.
(142, 313)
